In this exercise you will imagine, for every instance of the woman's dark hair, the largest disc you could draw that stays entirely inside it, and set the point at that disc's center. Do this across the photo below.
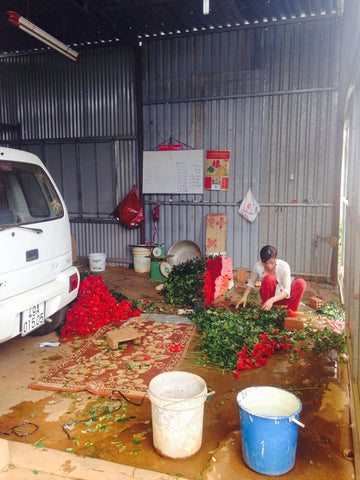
(268, 252)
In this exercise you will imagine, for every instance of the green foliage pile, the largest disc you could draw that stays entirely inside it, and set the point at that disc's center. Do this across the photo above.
(185, 283)
(224, 333)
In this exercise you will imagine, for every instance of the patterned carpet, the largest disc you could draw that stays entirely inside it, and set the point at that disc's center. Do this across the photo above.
(100, 370)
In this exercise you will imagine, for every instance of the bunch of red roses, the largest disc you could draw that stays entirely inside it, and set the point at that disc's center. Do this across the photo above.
(217, 278)
(213, 270)
(261, 352)
(209, 292)
(94, 308)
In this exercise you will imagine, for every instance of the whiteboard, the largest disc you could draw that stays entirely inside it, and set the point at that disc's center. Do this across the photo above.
(173, 171)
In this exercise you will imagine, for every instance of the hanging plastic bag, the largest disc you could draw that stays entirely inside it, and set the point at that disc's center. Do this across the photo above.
(249, 207)
(129, 211)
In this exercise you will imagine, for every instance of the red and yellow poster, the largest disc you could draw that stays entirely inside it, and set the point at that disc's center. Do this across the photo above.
(217, 169)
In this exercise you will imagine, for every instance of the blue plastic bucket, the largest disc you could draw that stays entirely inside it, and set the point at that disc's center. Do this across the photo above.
(269, 419)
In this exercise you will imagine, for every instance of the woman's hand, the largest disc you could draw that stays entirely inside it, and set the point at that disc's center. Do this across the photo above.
(267, 305)
(242, 301)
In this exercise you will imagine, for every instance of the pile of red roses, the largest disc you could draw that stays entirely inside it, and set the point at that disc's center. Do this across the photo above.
(208, 288)
(213, 271)
(217, 278)
(261, 352)
(94, 308)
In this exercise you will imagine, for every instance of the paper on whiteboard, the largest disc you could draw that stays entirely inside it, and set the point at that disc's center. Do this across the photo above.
(174, 172)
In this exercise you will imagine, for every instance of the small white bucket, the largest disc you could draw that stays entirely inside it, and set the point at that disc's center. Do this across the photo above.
(97, 262)
(142, 259)
(177, 408)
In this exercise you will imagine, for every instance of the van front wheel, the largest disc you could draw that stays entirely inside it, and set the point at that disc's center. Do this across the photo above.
(51, 323)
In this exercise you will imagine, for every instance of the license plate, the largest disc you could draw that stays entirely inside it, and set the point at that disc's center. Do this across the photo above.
(32, 318)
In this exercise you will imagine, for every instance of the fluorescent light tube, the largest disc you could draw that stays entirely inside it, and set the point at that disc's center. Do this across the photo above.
(206, 7)
(41, 35)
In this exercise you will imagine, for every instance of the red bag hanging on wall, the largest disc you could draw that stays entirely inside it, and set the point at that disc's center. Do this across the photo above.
(129, 211)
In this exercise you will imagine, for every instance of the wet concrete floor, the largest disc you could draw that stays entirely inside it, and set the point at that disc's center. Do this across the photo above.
(122, 432)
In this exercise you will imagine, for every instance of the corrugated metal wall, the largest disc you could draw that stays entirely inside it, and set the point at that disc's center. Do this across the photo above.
(270, 96)
(53, 98)
(80, 119)
(267, 94)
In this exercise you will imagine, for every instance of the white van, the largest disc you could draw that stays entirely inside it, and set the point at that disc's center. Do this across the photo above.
(37, 276)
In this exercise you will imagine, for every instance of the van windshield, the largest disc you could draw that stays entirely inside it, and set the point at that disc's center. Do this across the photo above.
(27, 195)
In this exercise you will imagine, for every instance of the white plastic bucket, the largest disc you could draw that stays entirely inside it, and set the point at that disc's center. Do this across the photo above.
(97, 262)
(142, 259)
(177, 408)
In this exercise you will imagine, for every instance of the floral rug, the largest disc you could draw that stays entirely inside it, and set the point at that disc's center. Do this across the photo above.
(100, 370)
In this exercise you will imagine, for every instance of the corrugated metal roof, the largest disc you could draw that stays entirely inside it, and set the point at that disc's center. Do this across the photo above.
(90, 22)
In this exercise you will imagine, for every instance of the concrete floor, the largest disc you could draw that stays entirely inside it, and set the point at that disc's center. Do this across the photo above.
(321, 384)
